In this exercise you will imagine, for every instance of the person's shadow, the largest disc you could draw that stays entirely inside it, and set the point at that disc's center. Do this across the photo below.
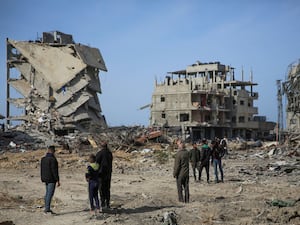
(142, 209)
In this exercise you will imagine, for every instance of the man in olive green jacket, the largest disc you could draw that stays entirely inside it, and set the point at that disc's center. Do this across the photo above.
(181, 172)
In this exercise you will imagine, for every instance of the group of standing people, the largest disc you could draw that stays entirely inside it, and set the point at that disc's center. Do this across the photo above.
(200, 159)
(98, 176)
(99, 171)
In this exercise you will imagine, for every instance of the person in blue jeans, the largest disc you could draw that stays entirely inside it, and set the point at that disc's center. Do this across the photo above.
(217, 161)
(49, 176)
(92, 177)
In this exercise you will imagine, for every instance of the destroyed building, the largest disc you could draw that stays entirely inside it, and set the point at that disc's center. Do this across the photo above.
(291, 88)
(58, 80)
(206, 101)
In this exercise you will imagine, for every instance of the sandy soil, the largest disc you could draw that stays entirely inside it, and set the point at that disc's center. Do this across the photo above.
(143, 190)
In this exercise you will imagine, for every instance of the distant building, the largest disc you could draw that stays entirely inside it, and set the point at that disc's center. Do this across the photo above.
(292, 91)
(58, 81)
(206, 101)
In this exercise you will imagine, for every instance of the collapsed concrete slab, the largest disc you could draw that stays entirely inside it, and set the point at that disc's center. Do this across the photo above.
(58, 80)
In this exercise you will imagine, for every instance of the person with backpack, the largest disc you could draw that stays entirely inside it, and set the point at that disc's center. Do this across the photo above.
(205, 155)
(216, 161)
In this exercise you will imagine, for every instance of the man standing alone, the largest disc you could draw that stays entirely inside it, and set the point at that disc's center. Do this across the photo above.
(216, 161)
(181, 172)
(49, 175)
(104, 158)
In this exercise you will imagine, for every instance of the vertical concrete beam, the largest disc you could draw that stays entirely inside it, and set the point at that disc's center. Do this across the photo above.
(7, 84)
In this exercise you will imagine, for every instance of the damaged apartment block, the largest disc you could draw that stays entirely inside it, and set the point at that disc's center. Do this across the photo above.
(58, 80)
(206, 101)
(291, 88)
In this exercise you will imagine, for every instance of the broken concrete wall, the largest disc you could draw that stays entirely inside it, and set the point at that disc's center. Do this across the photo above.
(292, 91)
(58, 80)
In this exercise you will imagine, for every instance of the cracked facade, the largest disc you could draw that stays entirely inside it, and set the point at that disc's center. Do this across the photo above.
(292, 90)
(58, 80)
(206, 101)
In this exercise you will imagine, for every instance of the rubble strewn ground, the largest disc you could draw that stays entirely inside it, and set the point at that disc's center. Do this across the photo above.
(261, 184)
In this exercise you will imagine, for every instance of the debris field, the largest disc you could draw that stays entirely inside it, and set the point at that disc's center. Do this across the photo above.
(261, 183)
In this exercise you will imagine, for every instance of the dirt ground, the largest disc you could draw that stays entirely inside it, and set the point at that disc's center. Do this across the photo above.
(143, 190)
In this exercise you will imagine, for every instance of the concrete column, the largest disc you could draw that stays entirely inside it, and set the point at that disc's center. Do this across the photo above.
(222, 132)
(191, 133)
(229, 133)
(202, 133)
(7, 85)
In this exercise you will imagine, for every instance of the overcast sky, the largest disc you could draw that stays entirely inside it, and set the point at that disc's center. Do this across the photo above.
(143, 39)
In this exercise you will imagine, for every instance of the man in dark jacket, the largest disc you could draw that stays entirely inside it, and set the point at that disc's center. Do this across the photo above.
(194, 158)
(205, 155)
(216, 160)
(181, 172)
(104, 158)
(49, 175)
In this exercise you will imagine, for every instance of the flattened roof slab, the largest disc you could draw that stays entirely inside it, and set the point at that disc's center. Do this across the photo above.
(21, 85)
(70, 92)
(90, 56)
(57, 64)
(38, 79)
(69, 109)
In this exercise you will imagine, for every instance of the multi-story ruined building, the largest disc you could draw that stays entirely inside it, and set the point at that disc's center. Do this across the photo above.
(207, 101)
(58, 81)
(292, 91)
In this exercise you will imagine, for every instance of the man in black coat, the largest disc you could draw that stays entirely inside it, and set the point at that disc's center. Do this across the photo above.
(104, 158)
(49, 175)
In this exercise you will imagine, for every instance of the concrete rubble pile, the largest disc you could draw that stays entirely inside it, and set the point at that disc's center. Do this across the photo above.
(17, 140)
(293, 139)
(272, 160)
(123, 138)
(58, 80)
